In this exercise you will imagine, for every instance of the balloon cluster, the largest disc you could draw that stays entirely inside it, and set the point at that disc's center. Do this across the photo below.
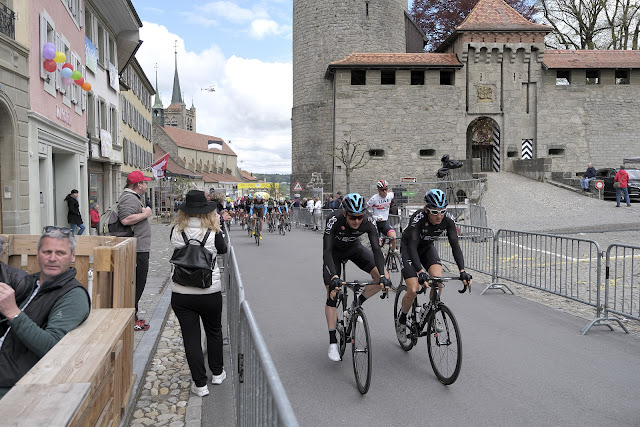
(69, 75)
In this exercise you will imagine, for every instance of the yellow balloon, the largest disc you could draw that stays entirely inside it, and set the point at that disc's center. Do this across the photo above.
(60, 57)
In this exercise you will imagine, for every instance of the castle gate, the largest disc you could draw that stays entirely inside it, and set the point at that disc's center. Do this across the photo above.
(483, 142)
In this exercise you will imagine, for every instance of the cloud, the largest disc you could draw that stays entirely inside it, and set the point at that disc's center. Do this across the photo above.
(232, 12)
(251, 105)
(263, 27)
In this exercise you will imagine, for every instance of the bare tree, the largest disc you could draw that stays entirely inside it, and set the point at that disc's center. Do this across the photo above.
(624, 24)
(353, 155)
(577, 24)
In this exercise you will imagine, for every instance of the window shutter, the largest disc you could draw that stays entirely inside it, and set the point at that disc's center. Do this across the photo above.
(43, 41)
(84, 93)
(57, 76)
(80, 14)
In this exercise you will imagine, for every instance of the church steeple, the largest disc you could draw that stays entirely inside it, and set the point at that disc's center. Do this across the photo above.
(176, 96)
(156, 102)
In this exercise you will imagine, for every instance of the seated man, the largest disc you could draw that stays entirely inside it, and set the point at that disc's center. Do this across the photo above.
(588, 176)
(55, 303)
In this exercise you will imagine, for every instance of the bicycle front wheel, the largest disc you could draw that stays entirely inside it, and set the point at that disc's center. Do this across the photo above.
(361, 350)
(394, 267)
(445, 345)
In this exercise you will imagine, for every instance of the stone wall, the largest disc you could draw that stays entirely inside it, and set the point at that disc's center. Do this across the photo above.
(324, 32)
(536, 169)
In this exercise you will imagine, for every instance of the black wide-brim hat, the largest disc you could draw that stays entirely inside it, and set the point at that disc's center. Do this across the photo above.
(197, 203)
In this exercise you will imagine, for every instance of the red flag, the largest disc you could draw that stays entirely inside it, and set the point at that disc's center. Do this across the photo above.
(160, 166)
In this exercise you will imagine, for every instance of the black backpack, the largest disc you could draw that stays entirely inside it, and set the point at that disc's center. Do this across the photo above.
(193, 264)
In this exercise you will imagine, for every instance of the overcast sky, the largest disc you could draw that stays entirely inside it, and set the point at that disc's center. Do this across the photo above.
(242, 49)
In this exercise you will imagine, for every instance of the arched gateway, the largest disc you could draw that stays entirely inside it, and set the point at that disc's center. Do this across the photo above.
(483, 142)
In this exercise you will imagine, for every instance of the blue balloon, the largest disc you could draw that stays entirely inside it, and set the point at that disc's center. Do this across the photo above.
(66, 72)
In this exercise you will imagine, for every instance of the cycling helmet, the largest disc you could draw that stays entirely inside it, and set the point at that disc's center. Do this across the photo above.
(435, 199)
(382, 184)
(353, 203)
(259, 196)
(228, 199)
(281, 199)
(250, 196)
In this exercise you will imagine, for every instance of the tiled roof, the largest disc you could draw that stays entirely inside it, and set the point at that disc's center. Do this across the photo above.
(220, 177)
(497, 15)
(555, 59)
(172, 166)
(398, 59)
(174, 106)
(195, 141)
(248, 176)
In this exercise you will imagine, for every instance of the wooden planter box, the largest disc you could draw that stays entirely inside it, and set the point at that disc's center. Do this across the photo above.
(84, 380)
(113, 260)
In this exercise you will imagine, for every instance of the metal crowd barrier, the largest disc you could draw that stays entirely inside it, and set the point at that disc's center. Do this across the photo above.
(259, 395)
(477, 245)
(621, 285)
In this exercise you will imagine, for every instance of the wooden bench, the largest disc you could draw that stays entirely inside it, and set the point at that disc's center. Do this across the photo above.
(112, 260)
(86, 379)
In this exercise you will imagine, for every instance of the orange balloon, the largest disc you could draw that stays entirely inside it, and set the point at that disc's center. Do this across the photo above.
(86, 86)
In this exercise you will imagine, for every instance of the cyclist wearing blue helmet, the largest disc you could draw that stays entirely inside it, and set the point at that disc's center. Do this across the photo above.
(341, 242)
(418, 251)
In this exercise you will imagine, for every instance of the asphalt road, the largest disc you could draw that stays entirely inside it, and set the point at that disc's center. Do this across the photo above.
(523, 364)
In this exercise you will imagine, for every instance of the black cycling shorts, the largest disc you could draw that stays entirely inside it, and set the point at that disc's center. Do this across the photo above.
(358, 254)
(428, 257)
(384, 228)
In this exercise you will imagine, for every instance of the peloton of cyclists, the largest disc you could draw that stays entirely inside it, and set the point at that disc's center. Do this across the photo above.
(419, 255)
(379, 204)
(341, 242)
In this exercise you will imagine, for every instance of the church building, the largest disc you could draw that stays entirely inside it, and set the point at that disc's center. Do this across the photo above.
(491, 96)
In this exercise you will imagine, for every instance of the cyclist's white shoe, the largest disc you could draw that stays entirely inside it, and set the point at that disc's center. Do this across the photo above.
(401, 332)
(334, 354)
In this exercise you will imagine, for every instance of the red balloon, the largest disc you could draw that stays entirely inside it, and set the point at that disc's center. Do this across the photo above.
(80, 81)
(67, 65)
(50, 65)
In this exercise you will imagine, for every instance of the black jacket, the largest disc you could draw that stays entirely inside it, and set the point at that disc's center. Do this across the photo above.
(15, 357)
(73, 217)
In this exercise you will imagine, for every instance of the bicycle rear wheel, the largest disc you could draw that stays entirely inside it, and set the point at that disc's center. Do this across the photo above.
(361, 350)
(397, 307)
(394, 267)
(445, 347)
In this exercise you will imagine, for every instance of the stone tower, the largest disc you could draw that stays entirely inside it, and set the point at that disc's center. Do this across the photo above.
(177, 114)
(326, 31)
(157, 110)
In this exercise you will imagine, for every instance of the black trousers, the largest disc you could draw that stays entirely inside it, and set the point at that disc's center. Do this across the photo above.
(142, 269)
(189, 309)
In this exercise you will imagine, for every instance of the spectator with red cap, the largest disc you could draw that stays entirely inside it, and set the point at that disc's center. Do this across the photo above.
(132, 211)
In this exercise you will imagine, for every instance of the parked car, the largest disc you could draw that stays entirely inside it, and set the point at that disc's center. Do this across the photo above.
(607, 174)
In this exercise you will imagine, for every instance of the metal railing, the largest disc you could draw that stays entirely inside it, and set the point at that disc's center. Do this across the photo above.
(7, 22)
(477, 244)
(621, 285)
(259, 395)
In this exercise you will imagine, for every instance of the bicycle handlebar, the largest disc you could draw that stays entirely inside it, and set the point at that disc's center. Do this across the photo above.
(441, 280)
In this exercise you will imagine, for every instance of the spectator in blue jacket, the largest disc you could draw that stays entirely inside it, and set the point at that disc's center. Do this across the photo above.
(588, 176)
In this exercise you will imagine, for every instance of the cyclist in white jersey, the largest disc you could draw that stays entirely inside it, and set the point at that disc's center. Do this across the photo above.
(379, 204)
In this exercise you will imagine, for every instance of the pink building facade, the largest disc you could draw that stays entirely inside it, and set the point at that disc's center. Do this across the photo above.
(57, 141)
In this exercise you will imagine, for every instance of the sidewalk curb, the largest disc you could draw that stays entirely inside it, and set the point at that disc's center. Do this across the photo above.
(146, 348)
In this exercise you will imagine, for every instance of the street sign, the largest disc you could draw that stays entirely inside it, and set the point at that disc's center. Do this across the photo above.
(408, 179)
(297, 187)
(599, 185)
(408, 193)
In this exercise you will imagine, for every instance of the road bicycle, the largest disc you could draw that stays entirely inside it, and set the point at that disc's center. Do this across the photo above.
(257, 235)
(436, 321)
(272, 223)
(392, 261)
(249, 227)
(352, 327)
(282, 225)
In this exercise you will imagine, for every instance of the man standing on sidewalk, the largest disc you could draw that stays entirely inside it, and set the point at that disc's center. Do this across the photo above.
(132, 211)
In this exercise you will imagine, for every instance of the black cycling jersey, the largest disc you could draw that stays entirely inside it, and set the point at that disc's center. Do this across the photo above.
(421, 234)
(338, 236)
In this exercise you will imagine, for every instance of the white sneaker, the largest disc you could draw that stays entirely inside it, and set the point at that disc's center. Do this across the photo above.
(401, 332)
(334, 354)
(217, 379)
(438, 326)
(199, 391)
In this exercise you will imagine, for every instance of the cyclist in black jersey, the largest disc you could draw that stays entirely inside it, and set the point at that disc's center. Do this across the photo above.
(341, 241)
(419, 255)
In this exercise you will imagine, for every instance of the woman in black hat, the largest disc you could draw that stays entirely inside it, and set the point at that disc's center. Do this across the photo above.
(190, 304)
